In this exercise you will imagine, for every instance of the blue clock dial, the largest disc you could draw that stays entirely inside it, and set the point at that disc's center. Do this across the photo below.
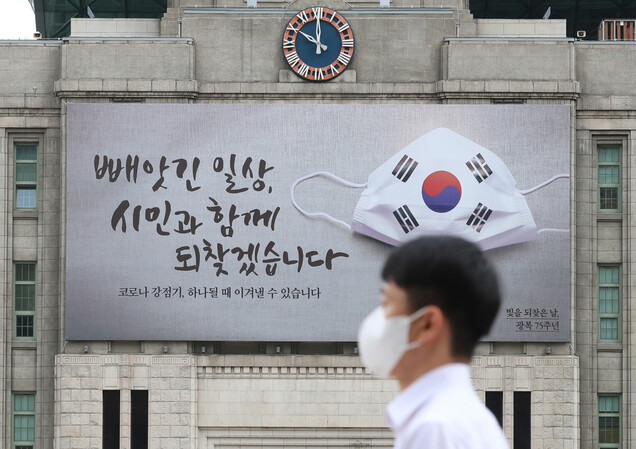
(330, 38)
(318, 44)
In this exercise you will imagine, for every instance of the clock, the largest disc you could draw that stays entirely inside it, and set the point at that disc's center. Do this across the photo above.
(318, 44)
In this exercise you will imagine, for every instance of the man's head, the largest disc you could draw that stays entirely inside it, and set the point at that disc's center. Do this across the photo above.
(453, 275)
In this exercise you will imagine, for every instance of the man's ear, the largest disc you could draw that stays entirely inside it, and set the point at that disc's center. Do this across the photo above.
(429, 326)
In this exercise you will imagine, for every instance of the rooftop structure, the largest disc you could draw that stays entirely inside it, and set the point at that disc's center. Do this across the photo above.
(53, 17)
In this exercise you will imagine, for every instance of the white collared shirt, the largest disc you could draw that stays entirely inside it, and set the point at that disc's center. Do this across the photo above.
(440, 410)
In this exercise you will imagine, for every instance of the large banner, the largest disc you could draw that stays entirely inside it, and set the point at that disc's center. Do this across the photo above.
(271, 222)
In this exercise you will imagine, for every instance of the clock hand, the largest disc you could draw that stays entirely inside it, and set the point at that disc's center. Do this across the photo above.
(318, 44)
(309, 38)
(312, 40)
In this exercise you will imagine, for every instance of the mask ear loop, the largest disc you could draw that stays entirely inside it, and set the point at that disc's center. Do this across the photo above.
(418, 314)
(543, 184)
(322, 214)
(537, 187)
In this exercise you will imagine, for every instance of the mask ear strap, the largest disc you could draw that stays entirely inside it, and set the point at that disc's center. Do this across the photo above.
(322, 214)
(542, 230)
(543, 184)
(537, 187)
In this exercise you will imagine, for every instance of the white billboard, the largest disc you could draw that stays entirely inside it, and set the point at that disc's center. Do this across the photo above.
(181, 222)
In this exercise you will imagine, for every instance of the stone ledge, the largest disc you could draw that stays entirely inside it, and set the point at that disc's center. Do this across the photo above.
(607, 102)
(504, 89)
(324, 436)
(287, 76)
(564, 87)
(68, 87)
(78, 40)
(279, 371)
(306, 88)
(125, 359)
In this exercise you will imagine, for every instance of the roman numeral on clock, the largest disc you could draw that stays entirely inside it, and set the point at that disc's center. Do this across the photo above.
(344, 58)
(289, 44)
(292, 58)
(347, 42)
(302, 15)
(303, 70)
(317, 13)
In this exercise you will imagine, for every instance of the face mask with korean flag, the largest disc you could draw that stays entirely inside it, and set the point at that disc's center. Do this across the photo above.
(442, 183)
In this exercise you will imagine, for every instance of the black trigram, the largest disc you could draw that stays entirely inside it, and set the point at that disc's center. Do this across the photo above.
(404, 168)
(406, 219)
(479, 217)
(478, 167)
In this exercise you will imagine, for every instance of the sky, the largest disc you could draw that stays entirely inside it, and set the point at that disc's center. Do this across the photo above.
(17, 20)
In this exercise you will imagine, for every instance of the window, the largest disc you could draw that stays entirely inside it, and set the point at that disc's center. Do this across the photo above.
(521, 420)
(24, 300)
(110, 419)
(26, 175)
(23, 420)
(609, 302)
(609, 177)
(609, 417)
(139, 419)
(494, 403)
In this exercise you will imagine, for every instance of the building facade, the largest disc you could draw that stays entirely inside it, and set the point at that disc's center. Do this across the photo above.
(93, 393)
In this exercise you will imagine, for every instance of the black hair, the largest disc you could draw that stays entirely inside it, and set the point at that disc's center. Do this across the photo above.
(454, 275)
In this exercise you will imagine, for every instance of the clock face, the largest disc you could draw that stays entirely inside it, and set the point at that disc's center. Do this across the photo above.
(318, 44)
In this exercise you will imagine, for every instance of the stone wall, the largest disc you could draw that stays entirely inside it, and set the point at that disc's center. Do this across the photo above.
(273, 401)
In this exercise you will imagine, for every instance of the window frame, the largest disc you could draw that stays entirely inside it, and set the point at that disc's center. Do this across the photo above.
(21, 444)
(610, 141)
(600, 415)
(605, 316)
(17, 313)
(25, 140)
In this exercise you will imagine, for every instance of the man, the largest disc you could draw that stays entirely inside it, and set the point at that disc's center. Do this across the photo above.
(440, 297)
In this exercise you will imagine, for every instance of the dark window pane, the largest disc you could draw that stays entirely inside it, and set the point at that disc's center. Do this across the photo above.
(25, 298)
(521, 420)
(25, 272)
(609, 197)
(110, 427)
(24, 326)
(494, 402)
(608, 429)
(139, 419)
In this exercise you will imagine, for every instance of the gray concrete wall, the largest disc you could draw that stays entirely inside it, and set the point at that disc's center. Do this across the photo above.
(247, 47)
(505, 59)
(28, 68)
(606, 69)
(97, 59)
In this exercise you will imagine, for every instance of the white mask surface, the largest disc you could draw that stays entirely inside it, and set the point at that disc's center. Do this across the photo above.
(442, 183)
(383, 341)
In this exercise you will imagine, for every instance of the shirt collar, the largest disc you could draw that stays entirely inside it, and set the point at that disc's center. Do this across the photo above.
(423, 389)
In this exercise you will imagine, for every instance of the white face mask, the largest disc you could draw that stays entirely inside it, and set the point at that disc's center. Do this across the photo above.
(442, 183)
(383, 341)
